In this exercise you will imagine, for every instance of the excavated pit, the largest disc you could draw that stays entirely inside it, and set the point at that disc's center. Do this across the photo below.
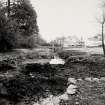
(35, 80)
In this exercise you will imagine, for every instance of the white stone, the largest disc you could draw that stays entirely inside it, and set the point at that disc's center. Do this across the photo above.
(71, 89)
(56, 100)
(72, 80)
(51, 100)
(32, 76)
(77, 103)
(102, 78)
(88, 79)
(96, 79)
(64, 97)
(79, 79)
(47, 101)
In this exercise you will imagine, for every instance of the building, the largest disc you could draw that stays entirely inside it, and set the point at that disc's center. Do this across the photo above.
(73, 41)
(94, 41)
(70, 41)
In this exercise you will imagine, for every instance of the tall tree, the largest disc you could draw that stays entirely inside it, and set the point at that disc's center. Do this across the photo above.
(101, 21)
(20, 23)
(25, 16)
(8, 6)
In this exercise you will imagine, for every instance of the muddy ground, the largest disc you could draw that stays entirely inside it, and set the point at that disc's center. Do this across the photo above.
(26, 83)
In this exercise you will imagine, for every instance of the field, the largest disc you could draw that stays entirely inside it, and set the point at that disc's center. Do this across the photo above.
(96, 50)
(26, 77)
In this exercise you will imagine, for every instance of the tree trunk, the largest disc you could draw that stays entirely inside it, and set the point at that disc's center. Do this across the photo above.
(8, 8)
(103, 45)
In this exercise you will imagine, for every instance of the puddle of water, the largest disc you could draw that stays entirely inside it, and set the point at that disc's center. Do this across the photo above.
(57, 60)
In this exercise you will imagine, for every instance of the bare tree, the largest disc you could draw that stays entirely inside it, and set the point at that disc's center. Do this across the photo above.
(8, 7)
(101, 21)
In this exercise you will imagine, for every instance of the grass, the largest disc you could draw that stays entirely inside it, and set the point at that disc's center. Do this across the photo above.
(90, 93)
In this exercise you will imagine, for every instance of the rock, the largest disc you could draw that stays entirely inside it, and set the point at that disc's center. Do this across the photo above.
(72, 80)
(79, 79)
(92, 79)
(56, 100)
(96, 79)
(89, 79)
(102, 78)
(64, 97)
(77, 103)
(71, 89)
(47, 101)
(32, 76)
(51, 100)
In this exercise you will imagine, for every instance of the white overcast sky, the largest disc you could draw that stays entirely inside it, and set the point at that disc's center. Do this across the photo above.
(58, 18)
